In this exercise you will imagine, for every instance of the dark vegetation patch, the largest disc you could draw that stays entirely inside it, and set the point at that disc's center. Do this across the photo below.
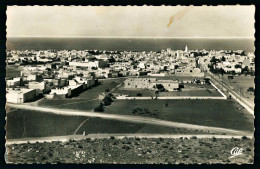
(134, 151)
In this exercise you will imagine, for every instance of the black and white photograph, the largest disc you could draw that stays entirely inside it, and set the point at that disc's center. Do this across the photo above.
(130, 84)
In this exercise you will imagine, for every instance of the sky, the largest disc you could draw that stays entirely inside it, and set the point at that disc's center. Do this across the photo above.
(131, 21)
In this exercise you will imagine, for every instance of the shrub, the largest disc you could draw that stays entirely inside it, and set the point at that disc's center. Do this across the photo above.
(100, 108)
(137, 138)
(112, 137)
(139, 94)
(193, 137)
(165, 146)
(107, 100)
(248, 149)
(251, 89)
(79, 146)
(244, 138)
(143, 111)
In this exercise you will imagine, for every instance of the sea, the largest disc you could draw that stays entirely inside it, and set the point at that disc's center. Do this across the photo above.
(129, 44)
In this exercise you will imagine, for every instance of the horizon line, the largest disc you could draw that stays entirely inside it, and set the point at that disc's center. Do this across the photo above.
(130, 37)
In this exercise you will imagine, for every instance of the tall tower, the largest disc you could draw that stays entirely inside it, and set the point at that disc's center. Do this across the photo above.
(186, 48)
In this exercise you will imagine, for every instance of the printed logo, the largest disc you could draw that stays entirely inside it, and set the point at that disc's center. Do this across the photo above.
(236, 151)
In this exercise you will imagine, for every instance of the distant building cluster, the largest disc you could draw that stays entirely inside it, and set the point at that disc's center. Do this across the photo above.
(65, 73)
(235, 62)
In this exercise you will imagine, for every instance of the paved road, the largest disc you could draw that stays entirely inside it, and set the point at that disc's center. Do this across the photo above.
(245, 103)
(129, 118)
(116, 135)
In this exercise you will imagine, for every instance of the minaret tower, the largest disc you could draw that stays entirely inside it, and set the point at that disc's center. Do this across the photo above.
(186, 48)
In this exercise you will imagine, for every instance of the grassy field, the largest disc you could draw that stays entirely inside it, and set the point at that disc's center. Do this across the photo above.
(87, 100)
(12, 71)
(24, 124)
(135, 151)
(216, 113)
(97, 125)
(189, 90)
(240, 84)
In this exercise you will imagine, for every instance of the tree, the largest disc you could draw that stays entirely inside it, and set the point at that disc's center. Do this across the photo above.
(107, 100)
(251, 89)
(238, 66)
(213, 60)
(222, 71)
(160, 87)
(156, 94)
(245, 69)
(111, 60)
(107, 90)
(100, 108)
(223, 59)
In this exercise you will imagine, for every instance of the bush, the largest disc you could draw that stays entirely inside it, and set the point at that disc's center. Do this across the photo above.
(107, 100)
(251, 89)
(100, 108)
(144, 112)
(112, 137)
(244, 138)
(193, 137)
(139, 94)
(248, 149)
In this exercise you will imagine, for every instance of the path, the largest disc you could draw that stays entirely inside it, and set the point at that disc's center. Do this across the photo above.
(81, 124)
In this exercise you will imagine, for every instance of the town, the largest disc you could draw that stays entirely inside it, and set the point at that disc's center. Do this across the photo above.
(54, 74)
(137, 103)
(130, 84)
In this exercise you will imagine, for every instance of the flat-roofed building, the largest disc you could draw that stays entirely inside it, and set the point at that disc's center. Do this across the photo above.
(193, 72)
(61, 92)
(14, 82)
(99, 63)
(20, 95)
(39, 86)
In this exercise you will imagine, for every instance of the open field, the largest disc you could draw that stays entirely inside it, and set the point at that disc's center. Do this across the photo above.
(25, 124)
(97, 125)
(189, 90)
(215, 113)
(134, 151)
(12, 71)
(87, 100)
(240, 84)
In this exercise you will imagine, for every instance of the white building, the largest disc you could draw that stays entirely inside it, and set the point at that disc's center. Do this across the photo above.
(20, 95)
(14, 82)
(65, 92)
(40, 86)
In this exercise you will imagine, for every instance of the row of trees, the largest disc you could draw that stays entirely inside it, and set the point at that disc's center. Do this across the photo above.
(108, 99)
